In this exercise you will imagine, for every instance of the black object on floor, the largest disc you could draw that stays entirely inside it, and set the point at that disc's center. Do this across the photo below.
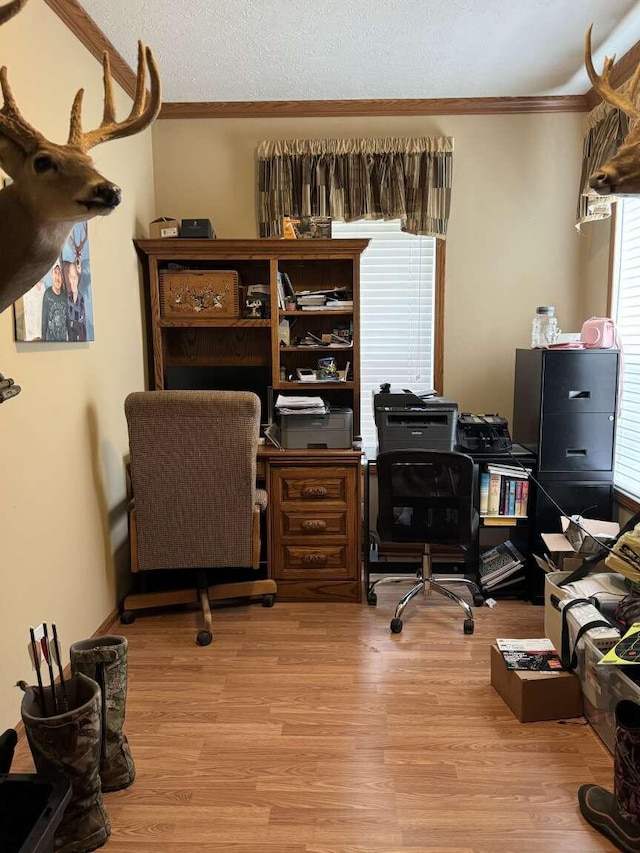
(31, 809)
(8, 742)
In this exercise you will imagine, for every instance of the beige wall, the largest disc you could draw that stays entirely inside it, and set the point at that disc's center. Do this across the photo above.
(594, 267)
(512, 243)
(62, 486)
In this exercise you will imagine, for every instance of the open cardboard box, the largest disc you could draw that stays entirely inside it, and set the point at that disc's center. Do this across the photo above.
(535, 696)
(565, 553)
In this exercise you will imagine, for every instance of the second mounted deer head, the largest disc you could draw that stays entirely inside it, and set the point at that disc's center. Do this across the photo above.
(54, 186)
(621, 174)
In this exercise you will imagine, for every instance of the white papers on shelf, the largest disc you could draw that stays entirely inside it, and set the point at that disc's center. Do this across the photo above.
(288, 405)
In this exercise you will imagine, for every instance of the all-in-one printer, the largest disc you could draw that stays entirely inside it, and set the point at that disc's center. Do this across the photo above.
(408, 421)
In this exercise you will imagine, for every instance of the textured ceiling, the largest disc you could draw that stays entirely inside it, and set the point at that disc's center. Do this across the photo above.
(255, 50)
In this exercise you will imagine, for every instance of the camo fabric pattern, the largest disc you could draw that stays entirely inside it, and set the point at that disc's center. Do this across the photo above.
(69, 743)
(104, 659)
(627, 760)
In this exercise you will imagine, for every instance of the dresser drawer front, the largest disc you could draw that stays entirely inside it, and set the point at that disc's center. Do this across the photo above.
(304, 485)
(298, 561)
(313, 525)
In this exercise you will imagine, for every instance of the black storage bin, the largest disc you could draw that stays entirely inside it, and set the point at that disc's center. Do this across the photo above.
(31, 809)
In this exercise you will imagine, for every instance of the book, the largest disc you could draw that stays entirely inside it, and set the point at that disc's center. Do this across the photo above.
(484, 492)
(498, 561)
(538, 655)
(493, 505)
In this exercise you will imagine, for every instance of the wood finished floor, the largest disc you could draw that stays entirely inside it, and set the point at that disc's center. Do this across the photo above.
(309, 728)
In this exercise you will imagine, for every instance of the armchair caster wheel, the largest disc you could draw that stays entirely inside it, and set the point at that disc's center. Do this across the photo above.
(268, 600)
(204, 638)
(396, 626)
(478, 600)
(468, 626)
(127, 617)
(372, 599)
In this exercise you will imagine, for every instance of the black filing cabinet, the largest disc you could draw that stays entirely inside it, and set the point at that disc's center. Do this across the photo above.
(565, 412)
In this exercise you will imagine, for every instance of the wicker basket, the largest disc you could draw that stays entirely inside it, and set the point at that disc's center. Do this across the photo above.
(199, 293)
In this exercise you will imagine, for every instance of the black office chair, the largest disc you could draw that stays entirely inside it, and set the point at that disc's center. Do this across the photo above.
(426, 496)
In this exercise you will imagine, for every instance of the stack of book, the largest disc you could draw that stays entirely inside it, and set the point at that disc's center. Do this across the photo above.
(502, 570)
(504, 492)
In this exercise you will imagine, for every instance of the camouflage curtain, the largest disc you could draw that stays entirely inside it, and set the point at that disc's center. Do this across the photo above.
(605, 129)
(349, 179)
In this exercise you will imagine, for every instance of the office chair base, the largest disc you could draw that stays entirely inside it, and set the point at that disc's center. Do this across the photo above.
(204, 638)
(396, 626)
(468, 626)
(127, 617)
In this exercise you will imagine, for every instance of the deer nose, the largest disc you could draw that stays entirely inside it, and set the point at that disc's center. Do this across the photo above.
(599, 180)
(108, 194)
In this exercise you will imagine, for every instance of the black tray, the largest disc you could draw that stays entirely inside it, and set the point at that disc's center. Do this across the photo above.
(31, 808)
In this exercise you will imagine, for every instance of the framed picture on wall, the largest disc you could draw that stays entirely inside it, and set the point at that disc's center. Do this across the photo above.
(59, 308)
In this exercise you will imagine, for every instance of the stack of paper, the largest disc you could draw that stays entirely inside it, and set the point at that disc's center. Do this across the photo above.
(301, 405)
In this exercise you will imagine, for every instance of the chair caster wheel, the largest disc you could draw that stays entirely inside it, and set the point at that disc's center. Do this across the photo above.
(127, 617)
(268, 600)
(372, 599)
(396, 626)
(204, 638)
(468, 626)
(478, 600)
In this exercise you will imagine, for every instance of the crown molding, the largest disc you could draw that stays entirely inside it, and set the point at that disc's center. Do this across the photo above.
(373, 107)
(89, 33)
(620, 73)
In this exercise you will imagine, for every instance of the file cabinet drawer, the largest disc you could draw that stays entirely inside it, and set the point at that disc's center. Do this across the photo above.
(580, 382)
(304, 485)
(320, 524)
(299, 561)
(579, 443)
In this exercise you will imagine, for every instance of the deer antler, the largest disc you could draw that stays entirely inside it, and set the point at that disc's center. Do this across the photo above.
(144, 110)
(602, 83)
(12, 124)
(10, 9)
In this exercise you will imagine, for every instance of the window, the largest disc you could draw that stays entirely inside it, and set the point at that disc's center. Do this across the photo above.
(397, 295)
(626, 312)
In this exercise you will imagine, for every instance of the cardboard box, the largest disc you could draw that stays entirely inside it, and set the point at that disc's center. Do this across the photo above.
(163, 227)
(535, 696)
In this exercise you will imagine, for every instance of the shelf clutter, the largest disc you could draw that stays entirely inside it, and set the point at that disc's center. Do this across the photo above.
(504, 492)
(502, 570)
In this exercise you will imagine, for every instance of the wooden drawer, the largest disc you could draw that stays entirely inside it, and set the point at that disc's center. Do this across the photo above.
(299, 561)
(313, 525)
(313, 485)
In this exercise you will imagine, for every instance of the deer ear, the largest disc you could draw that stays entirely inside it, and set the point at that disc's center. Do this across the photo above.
(12, 157)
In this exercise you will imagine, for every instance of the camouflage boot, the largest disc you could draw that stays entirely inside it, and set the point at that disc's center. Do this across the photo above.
(617, 815)
(69, 743)
(105, 660)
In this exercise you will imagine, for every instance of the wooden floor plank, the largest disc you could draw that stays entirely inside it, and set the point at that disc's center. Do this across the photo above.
(309, 728)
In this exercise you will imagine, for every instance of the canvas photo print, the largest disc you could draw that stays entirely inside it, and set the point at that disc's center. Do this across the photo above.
(59, 307)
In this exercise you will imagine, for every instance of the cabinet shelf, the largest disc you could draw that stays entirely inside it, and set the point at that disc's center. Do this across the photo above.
(311, 385)
(331, 312)
(208, 322)
(316, 349)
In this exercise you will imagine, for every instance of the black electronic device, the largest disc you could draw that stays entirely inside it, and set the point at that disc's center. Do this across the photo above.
(411, 420)
(483, 433)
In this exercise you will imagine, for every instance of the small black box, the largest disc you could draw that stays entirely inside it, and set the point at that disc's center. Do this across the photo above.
(200, 228)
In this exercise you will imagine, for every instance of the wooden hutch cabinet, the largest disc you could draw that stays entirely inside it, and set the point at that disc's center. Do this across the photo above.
(201, 337)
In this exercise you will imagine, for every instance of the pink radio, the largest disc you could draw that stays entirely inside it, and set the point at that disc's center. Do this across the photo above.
(599, 333)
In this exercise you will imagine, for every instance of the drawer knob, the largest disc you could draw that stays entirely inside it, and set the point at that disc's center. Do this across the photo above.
(314, 524)
(314, 492)
(316, 559)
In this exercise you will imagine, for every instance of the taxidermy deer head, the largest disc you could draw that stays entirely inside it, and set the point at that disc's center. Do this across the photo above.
(621, 174)
(55, 186)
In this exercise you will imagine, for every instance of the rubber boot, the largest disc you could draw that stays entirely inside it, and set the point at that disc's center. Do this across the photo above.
(617, 815)
(105, 660)
(69, 743)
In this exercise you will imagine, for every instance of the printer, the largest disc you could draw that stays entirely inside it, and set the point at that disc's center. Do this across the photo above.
(408, 421)
(317, 431)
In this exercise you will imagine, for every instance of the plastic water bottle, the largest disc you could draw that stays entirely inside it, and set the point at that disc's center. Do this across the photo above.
(544, 329)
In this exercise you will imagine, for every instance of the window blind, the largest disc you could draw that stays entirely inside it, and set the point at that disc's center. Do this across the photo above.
(397, 288)
(626, 313)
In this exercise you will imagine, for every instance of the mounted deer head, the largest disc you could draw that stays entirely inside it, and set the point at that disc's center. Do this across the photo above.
(78, 247)
(55, 186)
(621, 174)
